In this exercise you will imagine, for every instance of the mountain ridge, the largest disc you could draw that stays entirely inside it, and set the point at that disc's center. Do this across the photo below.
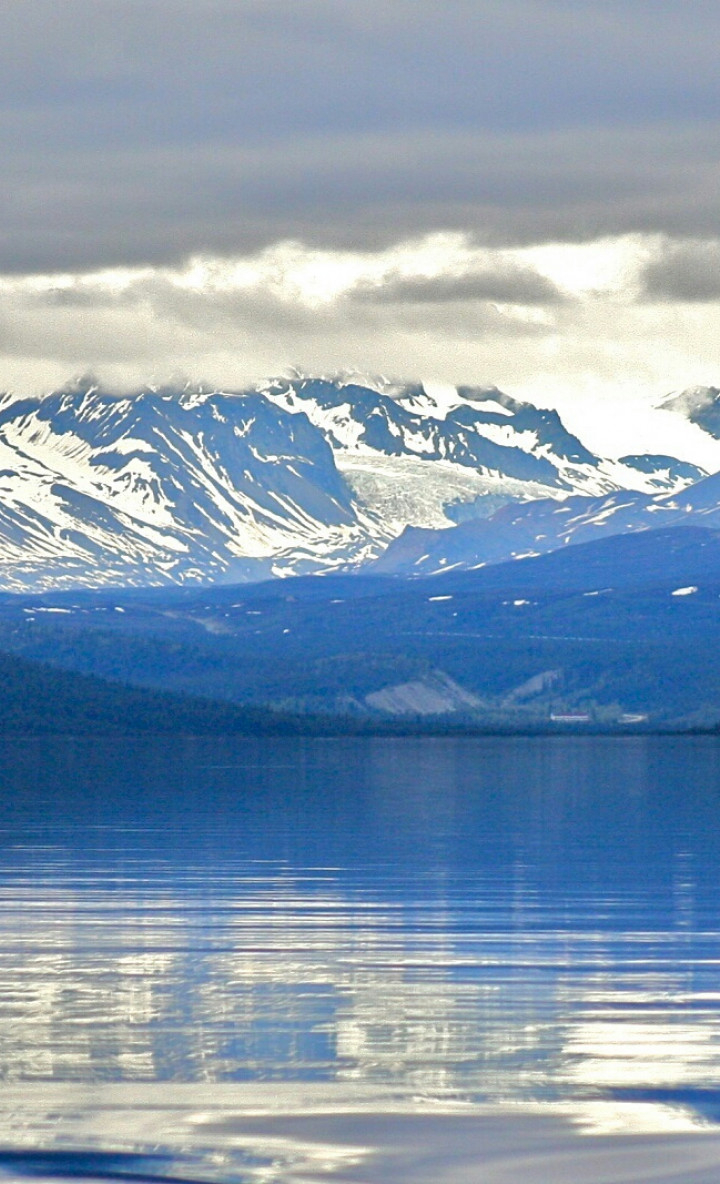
(192, 485)
(625, 624)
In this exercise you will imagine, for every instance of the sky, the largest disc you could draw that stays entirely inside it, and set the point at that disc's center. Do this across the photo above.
(521, 193)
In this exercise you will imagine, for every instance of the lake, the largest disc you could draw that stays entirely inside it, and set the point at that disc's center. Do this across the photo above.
(360, 959)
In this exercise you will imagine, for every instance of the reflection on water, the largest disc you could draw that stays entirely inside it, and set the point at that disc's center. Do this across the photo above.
(478, 920)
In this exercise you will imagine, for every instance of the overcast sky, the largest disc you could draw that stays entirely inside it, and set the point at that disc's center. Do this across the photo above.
(521, 192)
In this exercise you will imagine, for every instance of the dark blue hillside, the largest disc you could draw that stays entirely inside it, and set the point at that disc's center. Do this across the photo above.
(629, 623)
(644, 559)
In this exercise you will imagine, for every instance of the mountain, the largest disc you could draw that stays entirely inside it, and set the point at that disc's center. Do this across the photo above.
(423, 458)
(541, 525)
(297, 475)
(166, 486)
(537, 527)
(626, 624)
(700, 405)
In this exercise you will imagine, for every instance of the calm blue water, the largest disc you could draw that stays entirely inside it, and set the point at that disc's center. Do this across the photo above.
(495, 920)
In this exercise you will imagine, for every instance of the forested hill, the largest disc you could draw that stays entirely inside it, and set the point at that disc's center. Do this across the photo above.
(38, 699)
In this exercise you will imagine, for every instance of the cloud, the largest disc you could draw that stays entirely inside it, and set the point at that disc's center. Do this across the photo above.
(135, 133)
(505, 285)
(86, 209)
(231, 320)
(684, 271)
(600, 354)
(398, 187)
(214, 306)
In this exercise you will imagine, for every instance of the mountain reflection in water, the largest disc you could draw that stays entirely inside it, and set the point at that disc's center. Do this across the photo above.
(455, 921)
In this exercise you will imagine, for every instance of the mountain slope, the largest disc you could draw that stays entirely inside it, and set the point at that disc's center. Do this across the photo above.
(537, 527)
(629, 623)
(181, 486)
(485, 448)
(700, 405)
(165, 486)
(37, 699)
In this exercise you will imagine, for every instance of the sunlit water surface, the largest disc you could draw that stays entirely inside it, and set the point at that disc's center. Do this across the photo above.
(204, 942)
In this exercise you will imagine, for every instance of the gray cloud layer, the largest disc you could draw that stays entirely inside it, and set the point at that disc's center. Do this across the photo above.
(153, 318)
(509, 285)
(684, 271)
(143, 132)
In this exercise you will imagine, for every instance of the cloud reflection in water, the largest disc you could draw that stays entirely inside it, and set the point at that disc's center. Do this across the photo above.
(491, 921)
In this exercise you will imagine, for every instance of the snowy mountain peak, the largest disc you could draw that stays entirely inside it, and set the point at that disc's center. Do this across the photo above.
(700, 405)
(693, 398)
(380, 383)
(186, 483)
(166, 485)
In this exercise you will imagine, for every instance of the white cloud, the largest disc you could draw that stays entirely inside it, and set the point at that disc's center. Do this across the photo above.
(569, 325)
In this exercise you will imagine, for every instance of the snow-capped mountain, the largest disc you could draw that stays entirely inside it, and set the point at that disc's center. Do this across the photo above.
(166, 486)
(542, 525)
(486, 449)
(537, 527)
(700, 405)
(296, 475)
